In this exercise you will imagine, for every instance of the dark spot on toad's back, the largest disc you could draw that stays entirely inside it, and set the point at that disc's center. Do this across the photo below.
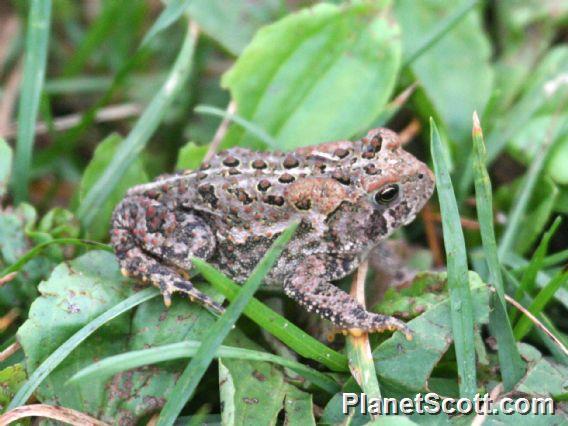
(286, 178)
(258, 164)
(207, 193)
(290, 162)
(231, 161)
(263, 185)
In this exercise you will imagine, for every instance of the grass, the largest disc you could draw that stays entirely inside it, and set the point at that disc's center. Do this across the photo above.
(526, 190)
(187, 349)
(275, 324)
(512, 366)
(544, 296)
(458, 281)
(258, 132)
(37, 39)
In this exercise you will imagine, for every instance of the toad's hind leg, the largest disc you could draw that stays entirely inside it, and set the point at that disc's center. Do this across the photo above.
(309, 286)
(153, 244)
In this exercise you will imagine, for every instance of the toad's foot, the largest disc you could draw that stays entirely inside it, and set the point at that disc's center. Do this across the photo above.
(309, 286)
(137, 264)
(381, 323)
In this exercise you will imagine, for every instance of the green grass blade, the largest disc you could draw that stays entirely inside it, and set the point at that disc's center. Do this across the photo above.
(77, 85)
(53, 360)
(526, 191)
(510, 362)
(358, 348)
(528, 281)
(301, 342)
(146, 125)
(548, 341)
(252, 128)
(548, 261)
(173, 11)
(195, 370)
(437, 33)
(36, 250)
(35, 59)
(461, 307)
(5, 166)
(362, 365)
(524, 324)
(97, 34)
(129, 360)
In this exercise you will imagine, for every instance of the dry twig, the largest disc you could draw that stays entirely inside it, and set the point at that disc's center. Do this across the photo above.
(8, 319)
(66, 415)
(107, 114)
(432, 236)
(410, 131)
(9, 351)
(7, 278)
(535, 321)
(9, 98)
(221, 131)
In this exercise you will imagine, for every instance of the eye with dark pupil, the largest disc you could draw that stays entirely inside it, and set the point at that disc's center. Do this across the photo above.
(387, 194)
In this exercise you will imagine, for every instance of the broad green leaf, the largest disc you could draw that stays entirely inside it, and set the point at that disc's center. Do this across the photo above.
(233, 23)
(76, 293)
(544, 378)
(409, 364)
(103, 156)
(426, 290)
(251, 393)
(11, 378)
(462, 57)
(298, 408)
(190, 156)
(5, 166)
(14, 226)
(296, 78)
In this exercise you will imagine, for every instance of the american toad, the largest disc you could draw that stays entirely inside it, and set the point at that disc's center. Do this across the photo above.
(347, 196)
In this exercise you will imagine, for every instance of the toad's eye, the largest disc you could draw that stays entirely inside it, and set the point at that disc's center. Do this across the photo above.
(387, 194)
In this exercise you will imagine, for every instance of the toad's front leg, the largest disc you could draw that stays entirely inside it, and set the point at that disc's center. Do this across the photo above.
(309, 286)
(155, 244)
